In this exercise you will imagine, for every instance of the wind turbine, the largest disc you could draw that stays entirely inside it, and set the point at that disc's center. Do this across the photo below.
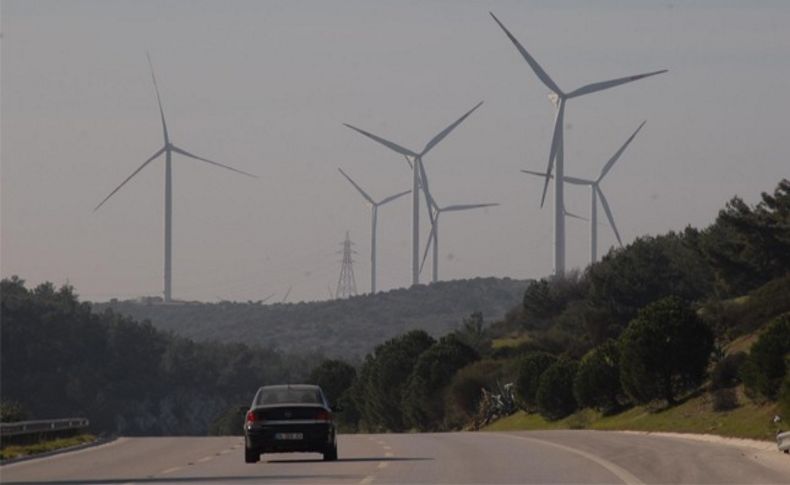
(597, 193)
(416, 165)
(374, 211)
(556, 152)
(168, 150)
(433, 237)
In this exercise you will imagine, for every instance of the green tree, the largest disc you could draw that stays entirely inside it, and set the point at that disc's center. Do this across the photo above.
(750, 246)
(473, 333)
(555, 390)
(423, 403)
(650, 268)
(531, 367)
(386, 376)
(664, 351)
(767, 364)
(597, 382)
(334, 377)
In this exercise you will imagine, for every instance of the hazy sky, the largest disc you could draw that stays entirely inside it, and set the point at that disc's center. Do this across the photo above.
(264, 86)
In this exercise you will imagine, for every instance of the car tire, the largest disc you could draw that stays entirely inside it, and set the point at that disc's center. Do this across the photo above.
(251, 456)
(330, 454)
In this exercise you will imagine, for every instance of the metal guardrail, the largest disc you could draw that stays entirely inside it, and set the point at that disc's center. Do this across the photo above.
(42, 426)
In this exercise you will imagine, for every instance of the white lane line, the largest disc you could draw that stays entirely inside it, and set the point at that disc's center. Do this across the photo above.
(204, 459)
(389, 454)
(627, 477)
(367, 480)
(387, 447)
(383, 464)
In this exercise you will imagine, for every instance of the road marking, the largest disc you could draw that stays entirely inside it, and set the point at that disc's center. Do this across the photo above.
(367, 480)
(204, 459)
(389, 454)
(387, 447)
(169, 470)
(383, 464)
(621, 473)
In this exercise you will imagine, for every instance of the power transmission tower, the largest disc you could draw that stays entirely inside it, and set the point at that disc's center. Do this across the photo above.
(346, 284)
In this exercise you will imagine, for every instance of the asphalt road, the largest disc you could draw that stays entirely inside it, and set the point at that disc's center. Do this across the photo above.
(523, 457)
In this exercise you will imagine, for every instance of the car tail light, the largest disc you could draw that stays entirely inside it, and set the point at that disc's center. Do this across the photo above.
(251, 417)
(323, 415)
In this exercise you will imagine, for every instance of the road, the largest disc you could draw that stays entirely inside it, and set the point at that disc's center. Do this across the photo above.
(519, 457)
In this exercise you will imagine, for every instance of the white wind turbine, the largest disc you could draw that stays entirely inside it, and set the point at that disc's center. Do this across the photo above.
(416, 167)
(168, 150)
(374, 211)
(433, 237)
(597, 193)
(556, 153)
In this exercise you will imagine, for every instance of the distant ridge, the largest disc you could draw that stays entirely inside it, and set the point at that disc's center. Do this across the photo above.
(342, 328)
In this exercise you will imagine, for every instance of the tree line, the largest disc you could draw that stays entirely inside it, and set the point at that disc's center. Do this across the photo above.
(648, 323)
(61, 359)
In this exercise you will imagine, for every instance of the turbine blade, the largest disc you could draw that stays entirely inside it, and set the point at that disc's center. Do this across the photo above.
(447, 130)
(578, 181)
(571, 214)
(539, 174)
(600, 86)
(190, 155)
(393, 197)
(608, 211)
(619, 152)
(158, 99)
(556, 141)
(159, 152)
(431, 205)
(409, 162)
(386, 143)
(428, 246)
(542, 75)
(464, 207)
(359, 189)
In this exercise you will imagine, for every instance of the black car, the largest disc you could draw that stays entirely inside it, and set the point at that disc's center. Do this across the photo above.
(289, 418)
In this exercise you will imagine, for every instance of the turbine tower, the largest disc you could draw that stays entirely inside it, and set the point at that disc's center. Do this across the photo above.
(374, 215)
(168, 149)
(433, 237)
(597, 193)
(346, 284)
(416, 166)
(556, 152)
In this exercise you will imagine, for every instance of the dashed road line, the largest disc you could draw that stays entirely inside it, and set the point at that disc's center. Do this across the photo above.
(169, 470)
(204, 459)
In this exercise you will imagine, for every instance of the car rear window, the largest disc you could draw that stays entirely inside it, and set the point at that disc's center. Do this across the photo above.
(288, 395)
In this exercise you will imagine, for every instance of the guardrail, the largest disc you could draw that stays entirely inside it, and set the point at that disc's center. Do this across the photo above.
(30, 431)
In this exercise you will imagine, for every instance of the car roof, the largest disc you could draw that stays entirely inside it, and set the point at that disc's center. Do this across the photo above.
(292, 386)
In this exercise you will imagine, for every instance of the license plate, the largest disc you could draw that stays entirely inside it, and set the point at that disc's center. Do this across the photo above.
(288, 436)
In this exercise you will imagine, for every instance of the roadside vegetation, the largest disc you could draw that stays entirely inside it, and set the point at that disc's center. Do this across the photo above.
(685, 331)
(17, 451)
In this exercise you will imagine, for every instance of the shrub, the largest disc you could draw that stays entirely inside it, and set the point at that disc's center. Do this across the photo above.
(555, 391)
(531, 367)
(726, 372)
(423, 406)
(664, 351)
(597, 382)
(766, 367)
(725, 399)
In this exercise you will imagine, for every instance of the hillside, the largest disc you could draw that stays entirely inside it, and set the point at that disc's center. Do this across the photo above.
(343, 328)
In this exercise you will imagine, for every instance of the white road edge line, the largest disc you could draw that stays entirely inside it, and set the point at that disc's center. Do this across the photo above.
(367, 480)
(621, 473)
